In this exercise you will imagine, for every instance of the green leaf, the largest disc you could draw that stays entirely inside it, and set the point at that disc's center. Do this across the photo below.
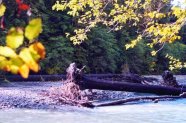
(33, 29)
(7, 52)
(14, 38)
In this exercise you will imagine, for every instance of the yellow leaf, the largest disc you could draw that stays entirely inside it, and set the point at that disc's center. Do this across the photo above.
(34, 53)
(6, 68)
(14, 38)
(67, 34)
(2, 58)
(14, 69)
(127, 46)
(33, 29)
(16, 63)
(4, 64)
(2, 9)
(24, 71)
(7, 52)
(153, 53)
(151, 15)
(26, 56)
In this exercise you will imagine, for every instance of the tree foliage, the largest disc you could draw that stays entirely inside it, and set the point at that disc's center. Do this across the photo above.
(151, 18)
(117, 13)
(100, 54)
(22, 50)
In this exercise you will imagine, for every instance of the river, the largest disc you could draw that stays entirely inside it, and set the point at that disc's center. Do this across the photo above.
(162, 112)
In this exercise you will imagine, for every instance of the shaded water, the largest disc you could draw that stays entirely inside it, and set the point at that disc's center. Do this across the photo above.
(162, 112)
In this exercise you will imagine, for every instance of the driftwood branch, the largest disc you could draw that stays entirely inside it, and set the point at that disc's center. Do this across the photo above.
(152, 98)
(83, 103)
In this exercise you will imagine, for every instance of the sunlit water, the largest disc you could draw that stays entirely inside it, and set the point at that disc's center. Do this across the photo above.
(162, 112)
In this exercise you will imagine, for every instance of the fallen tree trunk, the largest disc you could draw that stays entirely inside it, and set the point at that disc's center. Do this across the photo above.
(72, 89)
(135, 78)
(95, 83)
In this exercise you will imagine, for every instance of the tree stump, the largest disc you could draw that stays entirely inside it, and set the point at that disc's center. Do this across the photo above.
(74, 74)
(169, 79)
(71, 70)
(71, 93)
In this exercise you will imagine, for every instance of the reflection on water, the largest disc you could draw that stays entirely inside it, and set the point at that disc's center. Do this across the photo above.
(162, 112)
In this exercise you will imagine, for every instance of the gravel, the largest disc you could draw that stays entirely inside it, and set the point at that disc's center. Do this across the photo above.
(33, 95)
(27, 95)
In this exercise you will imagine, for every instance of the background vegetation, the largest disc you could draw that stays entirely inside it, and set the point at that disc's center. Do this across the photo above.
(103, 52)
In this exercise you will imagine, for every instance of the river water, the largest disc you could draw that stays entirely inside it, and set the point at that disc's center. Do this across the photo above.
(162, 112)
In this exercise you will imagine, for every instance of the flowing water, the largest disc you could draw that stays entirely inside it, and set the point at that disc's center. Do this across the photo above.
(162, 112)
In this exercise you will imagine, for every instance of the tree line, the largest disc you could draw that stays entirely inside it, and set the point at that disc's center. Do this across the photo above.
(103, 52)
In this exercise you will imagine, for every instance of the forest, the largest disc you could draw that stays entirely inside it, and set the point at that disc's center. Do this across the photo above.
(103, 51)
(92, 61)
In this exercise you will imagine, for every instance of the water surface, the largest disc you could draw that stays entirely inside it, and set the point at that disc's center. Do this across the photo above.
(162, 112)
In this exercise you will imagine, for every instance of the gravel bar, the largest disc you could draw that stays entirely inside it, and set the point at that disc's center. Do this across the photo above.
(31, 95)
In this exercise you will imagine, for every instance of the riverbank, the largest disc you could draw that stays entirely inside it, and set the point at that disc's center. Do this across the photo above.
(33, 95)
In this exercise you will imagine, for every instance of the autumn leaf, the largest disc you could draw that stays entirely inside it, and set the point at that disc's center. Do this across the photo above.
(15, 64)
(23, 7)
(7, 52)
(2, 58)
(2, 9)
(18, 1)
(33, 29)
(14, 38)
(26, 56)
(4, 64)
(34, 53)
(17, 61)
(38, 49)
(14, 69)
(24, 71)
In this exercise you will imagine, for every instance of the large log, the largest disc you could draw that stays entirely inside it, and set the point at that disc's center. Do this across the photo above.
(95, 83)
